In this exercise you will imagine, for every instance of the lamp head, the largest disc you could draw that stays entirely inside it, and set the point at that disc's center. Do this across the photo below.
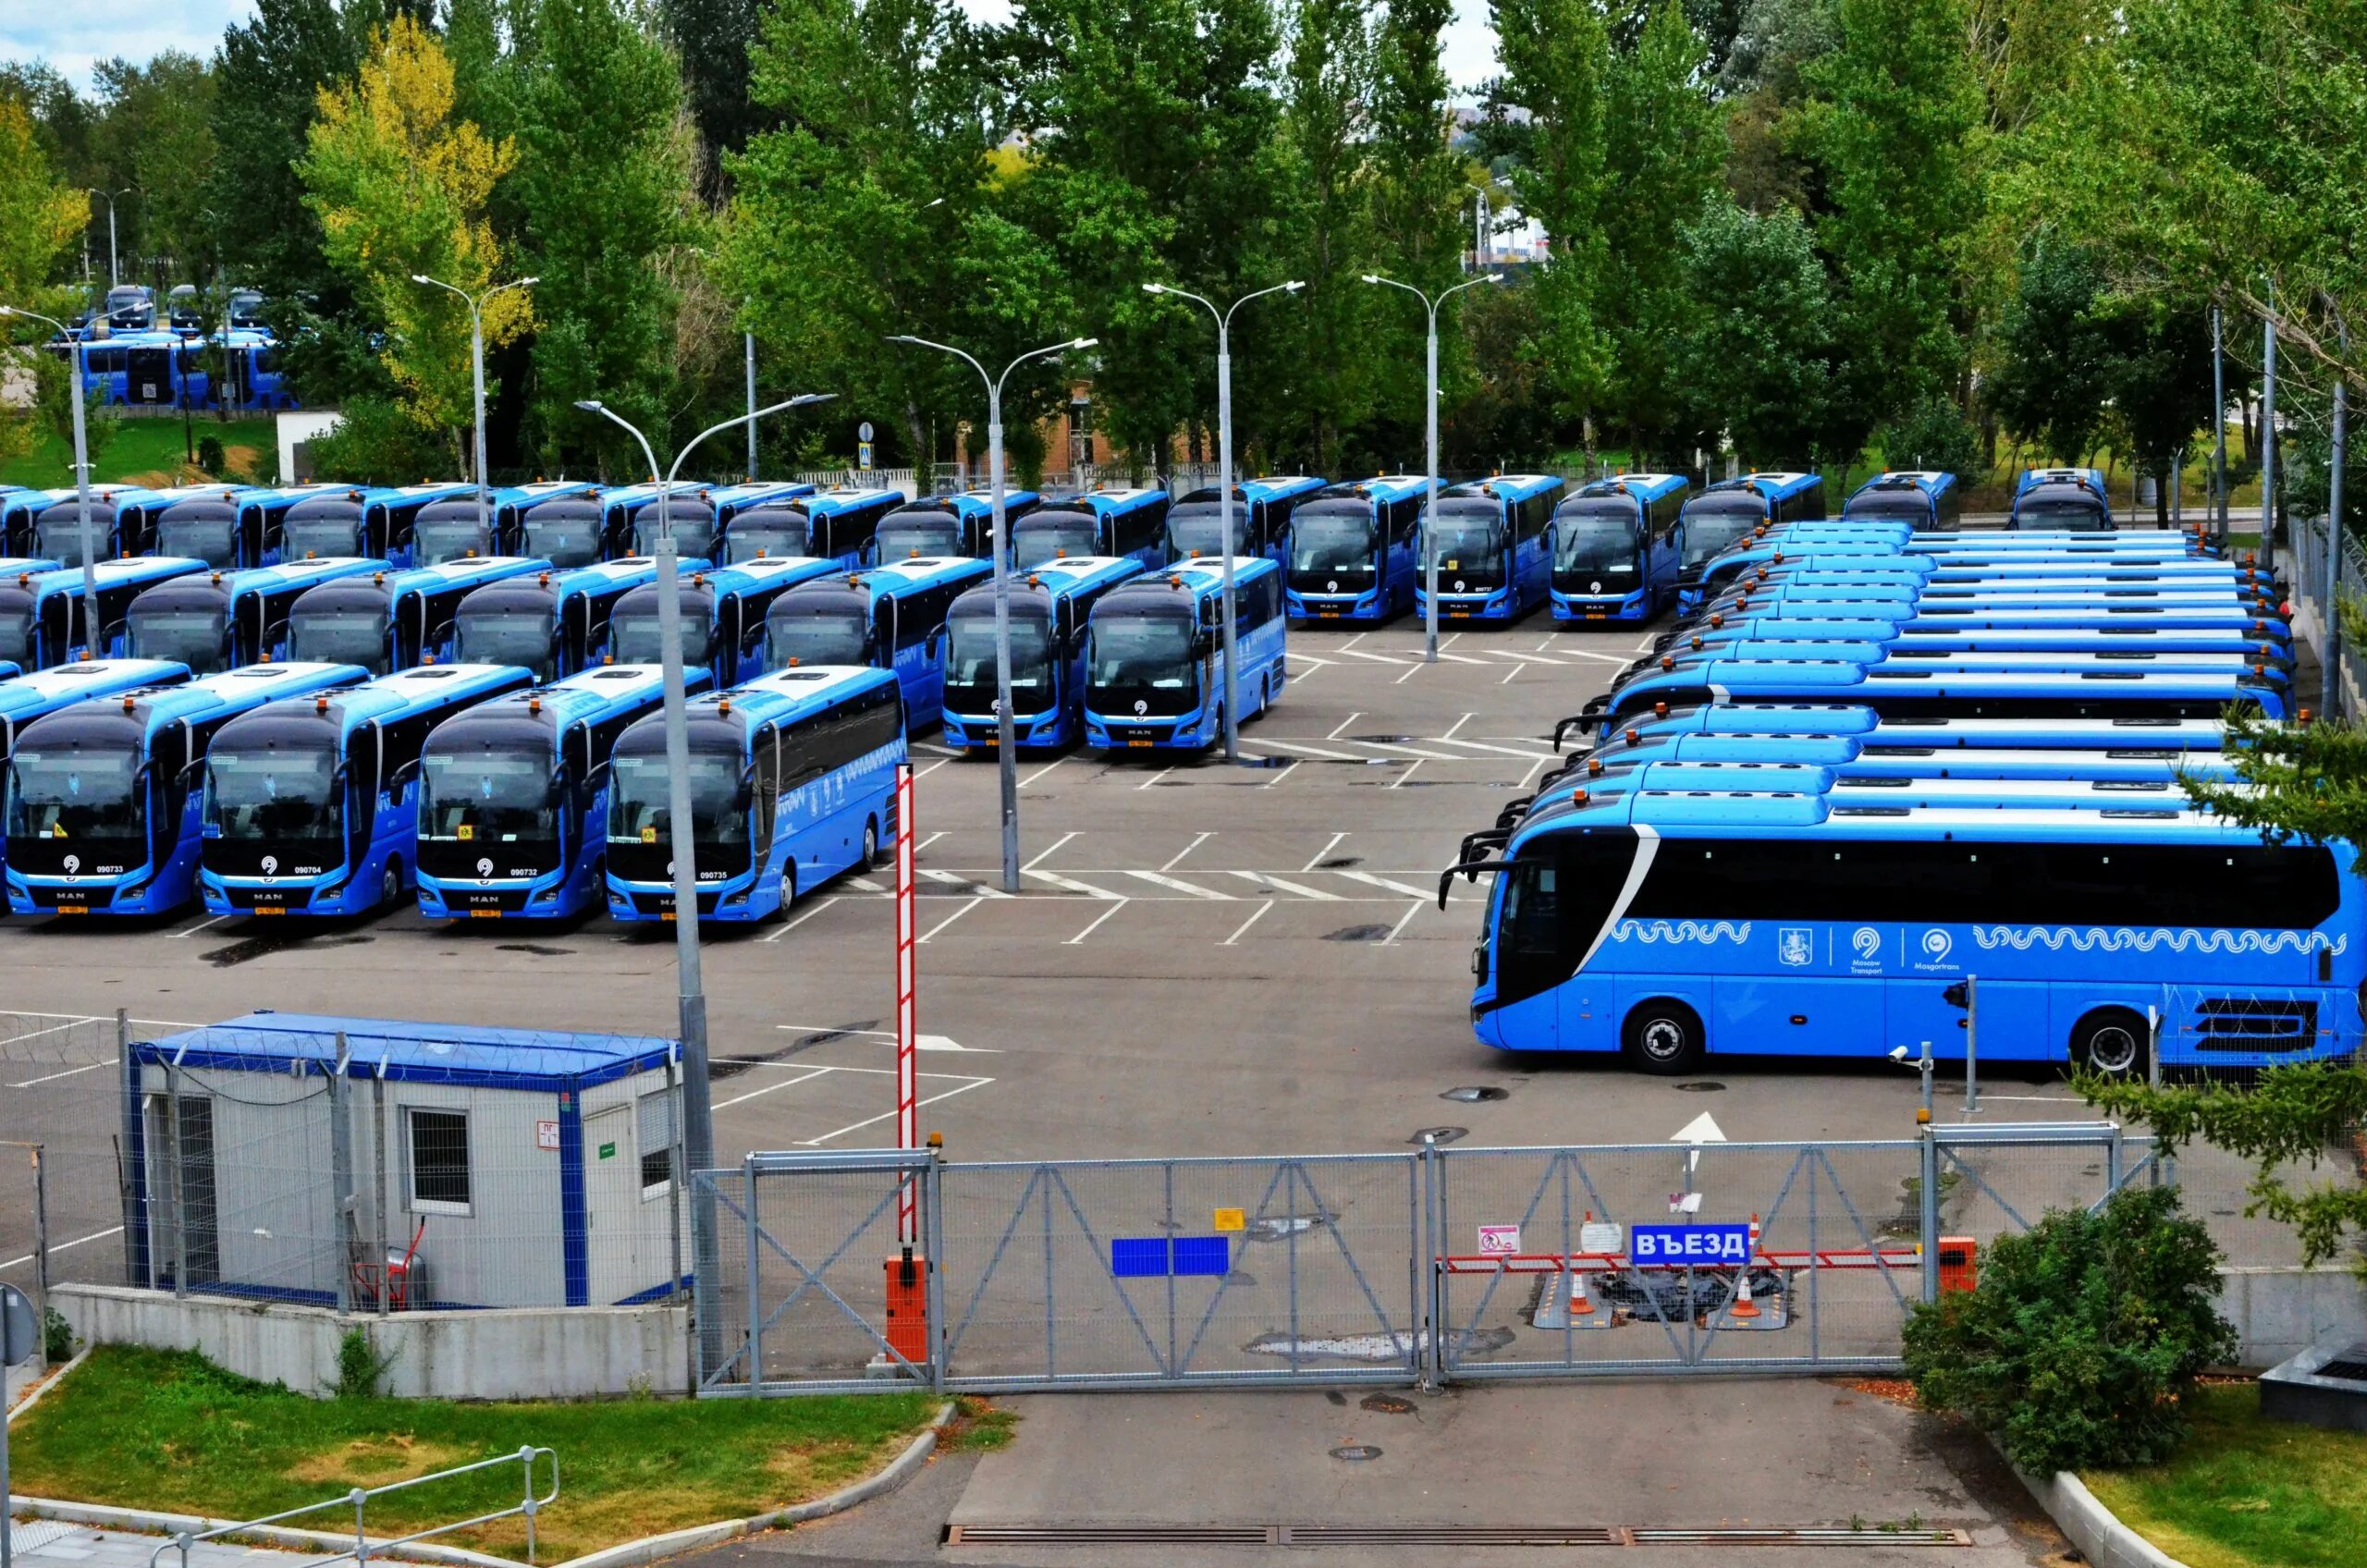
(527, 282)
(591, 405)
(1153, 288)
(1372, 277)
(1294, 286)
(1898, 1053)
(1083, 342)
(901, 338)
(1495, 278)
(420, 278)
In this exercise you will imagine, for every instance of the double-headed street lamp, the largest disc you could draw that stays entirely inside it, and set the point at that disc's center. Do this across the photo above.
(1225, 478)
(114, 278)
(1006, 730)
(698, 1114)
(1431, 445)
(74, 350)
(477, 303)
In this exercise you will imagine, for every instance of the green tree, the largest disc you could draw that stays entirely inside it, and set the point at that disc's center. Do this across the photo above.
(2160, 378)
(39, 220)
(1418, 181)
(1760, 348)
(157, 135)
(715, 40)
(2054, 365)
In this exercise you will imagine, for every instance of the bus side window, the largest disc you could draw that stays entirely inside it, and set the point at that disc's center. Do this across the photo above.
(766, 787)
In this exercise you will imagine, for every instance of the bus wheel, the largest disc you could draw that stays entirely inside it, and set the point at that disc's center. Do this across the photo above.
(870, 857)
(2112, 1041)
(788, 888)
(1664, 1037)
(390, 886)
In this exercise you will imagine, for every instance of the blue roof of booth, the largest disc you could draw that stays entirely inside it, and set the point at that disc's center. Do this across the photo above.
(413, 1052)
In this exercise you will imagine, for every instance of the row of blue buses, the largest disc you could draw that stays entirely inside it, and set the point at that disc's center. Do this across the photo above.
(171, 369)
(1847, 785)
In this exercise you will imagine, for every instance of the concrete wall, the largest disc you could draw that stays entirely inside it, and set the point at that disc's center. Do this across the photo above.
(521, 1352)
(2282, 1312)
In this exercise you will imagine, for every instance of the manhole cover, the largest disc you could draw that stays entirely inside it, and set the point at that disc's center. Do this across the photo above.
(1356, 934)
(1382, 740)
(1337, 862)
(1356, 1453)
(1439, 1134)
(1701, 1086)
(1474, 1093)
(1266, 762)
(1387, 1404)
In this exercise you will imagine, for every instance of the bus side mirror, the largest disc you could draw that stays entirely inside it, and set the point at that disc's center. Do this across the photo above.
(936, 644)
(1957, 995)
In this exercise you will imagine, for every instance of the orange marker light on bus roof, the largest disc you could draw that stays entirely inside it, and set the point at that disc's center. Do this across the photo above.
(1697, 642)
(723, 705)
(320, 704)
(127, 702)
(542, 580)
(534, 704)
(1634, 735)
(1668, 661)
(1659, 710)
(1594, 767)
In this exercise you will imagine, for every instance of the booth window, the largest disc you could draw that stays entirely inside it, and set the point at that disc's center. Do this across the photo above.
(440, 1161)
(656, 1137)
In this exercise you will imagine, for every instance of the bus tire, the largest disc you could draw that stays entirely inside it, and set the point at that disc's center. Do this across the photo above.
(788, 888)
(390, 886)
(869, 858)
(2112, 1041)
(1664, 1037)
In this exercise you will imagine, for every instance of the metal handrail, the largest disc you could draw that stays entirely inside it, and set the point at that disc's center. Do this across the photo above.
(359, 1500)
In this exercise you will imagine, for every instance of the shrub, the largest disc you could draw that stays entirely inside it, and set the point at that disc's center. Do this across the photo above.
(359, 1368)
(2083, 1337)
(56, 1337)
(210, 456)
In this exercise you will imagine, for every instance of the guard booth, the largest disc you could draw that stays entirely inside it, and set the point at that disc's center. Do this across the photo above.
(358, 1162)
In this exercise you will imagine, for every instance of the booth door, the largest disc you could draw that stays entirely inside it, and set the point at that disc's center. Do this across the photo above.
(621, 1262)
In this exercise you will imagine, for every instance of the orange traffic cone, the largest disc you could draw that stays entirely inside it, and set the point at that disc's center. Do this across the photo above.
(1579, 1305)
(1744, 1306)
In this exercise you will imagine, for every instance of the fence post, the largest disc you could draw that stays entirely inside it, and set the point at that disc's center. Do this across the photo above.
(341, 1177)
(360, 1537)
(526, 1464)
(755, 1299)
(680, 1187)
(139, 1258)
(1971, 1044)
(933, 1277)
(386, 1199)
(1930, 1206)
(173, 1136)
(1433, 1355)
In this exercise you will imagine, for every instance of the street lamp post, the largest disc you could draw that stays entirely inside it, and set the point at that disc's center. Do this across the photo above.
(114, 278)
(1430, 446)
(477, 303)
(1225, 480)
(82, 481)
(1006, 729)
(698, 1112)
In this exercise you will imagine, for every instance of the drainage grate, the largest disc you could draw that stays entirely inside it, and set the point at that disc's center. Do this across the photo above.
(1448, 1535)
(1430, 1535)
(1109, 1535)
(1837, 1536)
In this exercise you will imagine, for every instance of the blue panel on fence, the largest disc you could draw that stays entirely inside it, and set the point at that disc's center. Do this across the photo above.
(1700, 1245)
(1138, 1257)
(1203, 1255)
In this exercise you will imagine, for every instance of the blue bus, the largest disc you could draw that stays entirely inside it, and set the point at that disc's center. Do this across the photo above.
(103, 797)
(514, 797)
(217, 620)
(1843, 790)
(43, 621)
(1667, 926)
(393, 620)
(1730, 509)
(837, 524)
(699, 518)
(563, 530)
(139, 368)
(550, 623)
(1352, 550)
(1261, 518)
(310, 804)
(1809, 597)
(1615, 547)
(723, 616)
(1494, 557)
(1892, 655)
(257, 382)
(960, 524)
(450, 530)
(261, 512)
(1941, 732)
(1937, 690)
(622, 507)
(1154, 656)
(1924, 498)
(1116, 522)
(139, 519)
(1943, 634)
(1050, 610)
(329, 522)
(793, 781)
(890, 616)
(2073, 499)
(48, 524)
(24, 698)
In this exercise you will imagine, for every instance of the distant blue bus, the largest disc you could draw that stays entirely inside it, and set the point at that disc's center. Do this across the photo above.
(2114, 618)
(723, 616)
(1261, 518)
(261, 513)
(1154, 673)
(620, 510)
(1097, 523)
(2073, 499)
(1925, 498)
(833, 524)
(563, 530)
(104, 797)
(393, 620)
(450, 530)
(48, 524)
(1893, 656)
(43, 621)
(700, 519)
(1049, 609)
(890, 616)
(24, 698)
(1668, 926)
(1856, 535)
(1615, 547)
(141, 524)
(1352, 550)
(1940, 732)
(1953, 634)
(1494, 555)
(310, 804)
(513, 796)
(217, 620)
(792, 780)
(961, 525)
(335, 521)
(1844, 790)
(1805, 597)
(1730, 510)
(550, 623)
(1936, 690)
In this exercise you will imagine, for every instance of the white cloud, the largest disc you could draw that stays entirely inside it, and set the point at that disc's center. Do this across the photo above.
(73, 38)
(1468, 46)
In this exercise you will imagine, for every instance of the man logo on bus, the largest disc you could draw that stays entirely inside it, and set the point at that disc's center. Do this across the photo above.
(1795, 945)
(1331, 586)
(1594, 587)
(485, 868)
(73, 864)
(1141, 708)
(1867, 940)
(270, 865)
(1935, 945)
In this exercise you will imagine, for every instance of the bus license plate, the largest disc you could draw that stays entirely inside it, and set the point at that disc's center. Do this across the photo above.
(73, 908)
(268, 909)
(1598, 615)
(1138, 743)
(665, 914)
(484, 915)
(1329, 615)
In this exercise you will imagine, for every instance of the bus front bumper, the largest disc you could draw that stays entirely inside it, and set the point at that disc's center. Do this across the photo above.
(1492, 606)
(1194, 731)
(1331, 606)
(1602, 606)
(87, 895)
(266, 896)
(538, 899)
(965, 730)
(654, 900)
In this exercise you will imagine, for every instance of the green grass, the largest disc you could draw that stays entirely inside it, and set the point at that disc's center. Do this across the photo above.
(160, 1429)
(151, 451)
(2245, 1493)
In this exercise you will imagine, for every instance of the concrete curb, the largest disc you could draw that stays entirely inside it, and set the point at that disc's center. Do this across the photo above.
(41, 1390)
(650, 1549)
(144, 1522)
(2092, 1527)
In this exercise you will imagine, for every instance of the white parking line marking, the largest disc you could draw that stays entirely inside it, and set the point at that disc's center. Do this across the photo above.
(1042, 771)
(1265, 880)
(1246, 926)
(807, 1076)
(933, 746)
(199, 926)
(1285, 773)
(1311, 750)
(1408, 773)
(1452, 638)
(1414, 751)
(93, 1236)
(951, 918)
(1154, 779)
(1403, 920)
(1370, 879)
(1352, 642)
(1181, 886)
(1484, 746)
(1047, 854)
(1377, 658)
(1510, 673)
(977, 889)
(53, 1077)
(1457, 724)
(798, 920)
(932, 838)
(889, 1115)
(1551, 638)
(932, 767)
(866, 884)
(1071, 885)
(1194, 844)
(1097, 919)
(1325, 852)
(921, 1043)
(1342, 725)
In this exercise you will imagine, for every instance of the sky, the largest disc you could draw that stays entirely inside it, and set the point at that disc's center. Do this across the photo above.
(75, 37)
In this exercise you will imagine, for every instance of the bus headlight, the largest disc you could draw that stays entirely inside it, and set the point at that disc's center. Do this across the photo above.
(546, 895)
(734, 900)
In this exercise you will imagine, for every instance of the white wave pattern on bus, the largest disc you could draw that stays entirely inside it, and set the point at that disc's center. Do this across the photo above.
(2115, 940)
(1682, 931)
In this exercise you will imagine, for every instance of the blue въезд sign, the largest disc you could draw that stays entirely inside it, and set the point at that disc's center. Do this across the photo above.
(1704, 1245)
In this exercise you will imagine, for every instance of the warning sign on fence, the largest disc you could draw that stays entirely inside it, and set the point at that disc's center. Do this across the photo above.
(1499, 1241)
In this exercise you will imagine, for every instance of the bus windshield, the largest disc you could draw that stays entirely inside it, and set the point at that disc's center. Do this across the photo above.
(564, 541)
(1039, 539)
(1709, 530)
(204, 538)
(2070, 514)
(1470, 543)
(1902, 505)
(284, 795)
(1199, 531)
(518, 634)
(1333, 542)
(200, 639)
(323, 533)
(636, 638)
(902, 537)
(1146, 660)
(437, 540)
(16, 634)
(816, 637)
(500, 793)
(641, 824)
(692, 525)
(970, 664)
(1598, 542)
(60, 539)
(341, 637)
(764, 538)
(75, 793)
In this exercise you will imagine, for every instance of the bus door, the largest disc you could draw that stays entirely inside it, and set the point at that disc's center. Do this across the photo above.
(1396, 524)
(148, 375)
(740, 637)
